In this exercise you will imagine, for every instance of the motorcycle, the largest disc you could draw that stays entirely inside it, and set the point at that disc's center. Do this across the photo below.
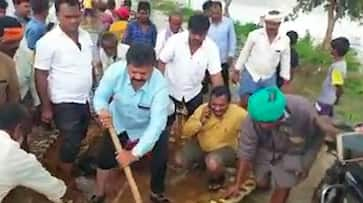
(343, 181)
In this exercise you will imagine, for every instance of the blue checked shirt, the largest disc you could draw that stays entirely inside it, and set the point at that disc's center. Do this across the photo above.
(134, 33)
(142, 113)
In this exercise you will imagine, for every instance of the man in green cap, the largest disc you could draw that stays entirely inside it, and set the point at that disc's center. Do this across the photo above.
(281, 138)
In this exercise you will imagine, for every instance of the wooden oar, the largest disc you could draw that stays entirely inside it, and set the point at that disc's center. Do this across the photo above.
(130, 179)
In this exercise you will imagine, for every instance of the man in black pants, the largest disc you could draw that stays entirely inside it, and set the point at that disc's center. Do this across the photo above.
(139, 107)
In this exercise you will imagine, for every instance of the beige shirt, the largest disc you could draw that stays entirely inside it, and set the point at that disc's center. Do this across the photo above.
(9, 85)
(297, 134)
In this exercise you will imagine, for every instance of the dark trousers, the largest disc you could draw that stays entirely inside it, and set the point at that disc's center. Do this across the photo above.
(159, 157)
(191, 106)
(225, 76)
(72, 121)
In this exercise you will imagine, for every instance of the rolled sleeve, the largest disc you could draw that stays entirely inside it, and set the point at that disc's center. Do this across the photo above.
(232, 40)
(214, 64)
(248, 141)
(105, 89)
(43, 55)
(285, 62)
(158, 118)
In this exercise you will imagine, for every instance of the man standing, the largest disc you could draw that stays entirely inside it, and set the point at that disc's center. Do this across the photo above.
(22, 11)
(264, 49)
(138, 109)
(3, 6)
(188, 55)
(11, 32)
(63, 74)
(17, 167)
(223, 34)
(280, 140)
(213, 131)
(175, 26)
(24, 57)
(142, 29)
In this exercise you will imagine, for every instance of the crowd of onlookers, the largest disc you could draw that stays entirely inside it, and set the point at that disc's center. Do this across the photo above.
(135, 78)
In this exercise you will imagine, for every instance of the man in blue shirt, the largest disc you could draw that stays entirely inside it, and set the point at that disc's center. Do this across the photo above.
(223, 34)
(141, 30)
(138, 111)
(37, 27)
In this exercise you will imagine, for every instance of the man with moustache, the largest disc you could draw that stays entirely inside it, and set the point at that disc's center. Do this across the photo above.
(188, 55)
(263, 50)
(138, 111)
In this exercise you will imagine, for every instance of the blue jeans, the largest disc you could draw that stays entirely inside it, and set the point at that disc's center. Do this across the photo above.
(248, 86)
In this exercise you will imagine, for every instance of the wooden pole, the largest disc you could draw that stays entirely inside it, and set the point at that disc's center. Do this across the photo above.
(130, 179)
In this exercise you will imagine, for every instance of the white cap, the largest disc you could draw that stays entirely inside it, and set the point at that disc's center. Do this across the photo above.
(274, 16)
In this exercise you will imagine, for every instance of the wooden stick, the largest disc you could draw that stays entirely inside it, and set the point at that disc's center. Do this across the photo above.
(130, 179)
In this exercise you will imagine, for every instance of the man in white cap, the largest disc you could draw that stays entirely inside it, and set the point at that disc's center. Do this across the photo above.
(263, 50)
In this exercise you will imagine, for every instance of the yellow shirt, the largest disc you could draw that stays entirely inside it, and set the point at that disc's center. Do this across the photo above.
(118, 28)
(216, 133)
(87, 4)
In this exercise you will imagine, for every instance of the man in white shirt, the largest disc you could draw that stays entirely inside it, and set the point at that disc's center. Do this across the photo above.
(174, 27)
(17, 167)
(188, 55)
(264, 49)
(63, 71)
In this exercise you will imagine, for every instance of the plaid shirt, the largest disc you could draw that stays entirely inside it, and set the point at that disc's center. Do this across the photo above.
(134, 33)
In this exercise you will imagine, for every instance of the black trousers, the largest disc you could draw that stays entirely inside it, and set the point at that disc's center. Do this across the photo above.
(225, 76)
(158, 165)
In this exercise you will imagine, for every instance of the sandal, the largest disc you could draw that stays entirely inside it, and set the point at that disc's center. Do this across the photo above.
(98, 199)
(216, 184)
(158, 198)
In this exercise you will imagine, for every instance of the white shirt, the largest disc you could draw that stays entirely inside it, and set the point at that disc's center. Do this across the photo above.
(261, 58)
(70, 68)
(161, 40)
(19, 168)
(185, 72)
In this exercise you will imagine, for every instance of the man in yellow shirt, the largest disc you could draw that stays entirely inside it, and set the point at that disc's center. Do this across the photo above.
(213, 131)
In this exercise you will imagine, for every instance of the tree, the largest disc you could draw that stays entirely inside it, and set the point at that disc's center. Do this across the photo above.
(226, 7)
(336, 9)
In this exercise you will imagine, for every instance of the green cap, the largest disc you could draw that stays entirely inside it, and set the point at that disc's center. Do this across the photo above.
(267, 105)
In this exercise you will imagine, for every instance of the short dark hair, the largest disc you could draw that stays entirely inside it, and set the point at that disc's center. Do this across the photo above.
(293, 37)
(140, 54)
(111, 4)
(69, 2)
(8, 22)
(3, 4)
(199, 24)
(206, 5)
(221, 91)
(127, 3)
(143, 5)
(106, 36)
(39, 6)
(12, 114)
(341, 45)
(216, 4)
(17, 2)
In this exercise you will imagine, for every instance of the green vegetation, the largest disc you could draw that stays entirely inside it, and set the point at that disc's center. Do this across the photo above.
(169, 6)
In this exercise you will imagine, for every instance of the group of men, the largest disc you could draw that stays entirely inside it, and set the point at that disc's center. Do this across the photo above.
(277, 138)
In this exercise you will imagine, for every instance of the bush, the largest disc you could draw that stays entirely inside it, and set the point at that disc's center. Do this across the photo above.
(242, 30)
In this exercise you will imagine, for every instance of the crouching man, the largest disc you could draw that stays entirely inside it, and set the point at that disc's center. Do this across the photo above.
(139, 103)
(280, 140)
(17, 167)
(213, 130)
